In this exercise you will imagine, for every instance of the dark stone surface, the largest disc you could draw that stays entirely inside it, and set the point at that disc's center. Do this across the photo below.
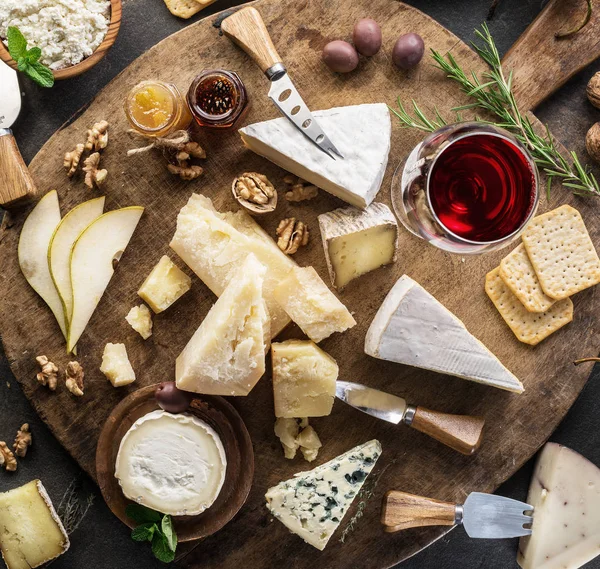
(101, 541)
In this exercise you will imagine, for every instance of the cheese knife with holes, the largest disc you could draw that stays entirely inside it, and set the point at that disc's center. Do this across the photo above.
(246, 28)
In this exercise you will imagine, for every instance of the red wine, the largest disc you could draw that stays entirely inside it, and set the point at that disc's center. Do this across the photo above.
(482, 188)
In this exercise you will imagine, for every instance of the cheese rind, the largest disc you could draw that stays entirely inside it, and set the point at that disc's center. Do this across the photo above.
(565, 494)
(31, 533)
(310, 304)
(360, 132)
(165, 284)
(140, 319)
(413, 328)
(358, 241)
(116, 365)
(312, 504)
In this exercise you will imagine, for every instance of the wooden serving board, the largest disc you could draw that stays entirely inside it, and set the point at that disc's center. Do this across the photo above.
(517, 425)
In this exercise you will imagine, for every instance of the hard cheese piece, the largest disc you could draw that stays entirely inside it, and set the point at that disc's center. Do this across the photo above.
(140, 320)
(311, 305)
(116, 365)
(215, 246)
(357, 242)
(31, 532)
(312, 504)
(226, 355)
(565, 492)
(165, 284)
(360, 132)
(413, 328)
(304, 379)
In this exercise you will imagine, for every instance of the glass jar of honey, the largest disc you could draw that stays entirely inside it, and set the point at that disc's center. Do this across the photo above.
(217, 98)
(155, 108)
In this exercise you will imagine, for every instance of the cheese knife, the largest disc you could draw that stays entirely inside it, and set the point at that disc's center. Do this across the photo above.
(247, 29)
(15, 181)
(484, 516)
(462, 433)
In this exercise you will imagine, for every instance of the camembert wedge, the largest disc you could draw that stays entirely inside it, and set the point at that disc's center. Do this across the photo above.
(312, 504)
(413, 328)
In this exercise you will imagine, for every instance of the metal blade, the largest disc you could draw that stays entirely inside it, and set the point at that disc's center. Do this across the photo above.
(290, 103)
(10, 96)
(488, 516)
(372, 401)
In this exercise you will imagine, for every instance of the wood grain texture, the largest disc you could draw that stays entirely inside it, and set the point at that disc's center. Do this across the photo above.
(16, 183)
(516, 425)
(401, 511)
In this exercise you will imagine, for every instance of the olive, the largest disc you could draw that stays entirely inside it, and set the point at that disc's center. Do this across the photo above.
(340, 56)
(408, 51)
(367, 36)
(171, 399)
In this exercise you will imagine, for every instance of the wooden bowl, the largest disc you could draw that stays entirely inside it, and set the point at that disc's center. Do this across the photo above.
(116, 9)
(223, 418)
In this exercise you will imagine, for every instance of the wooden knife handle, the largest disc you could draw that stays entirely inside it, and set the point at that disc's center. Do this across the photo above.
(15, 181)
(462, 433)
(247, 29)
(402, 511)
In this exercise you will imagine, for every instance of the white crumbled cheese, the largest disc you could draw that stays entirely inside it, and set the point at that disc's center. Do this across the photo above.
(67, 31)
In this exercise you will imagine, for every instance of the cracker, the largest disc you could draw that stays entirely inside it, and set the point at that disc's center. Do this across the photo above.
(518, 274)
(529, 327)
(561, 252)
(186, 8)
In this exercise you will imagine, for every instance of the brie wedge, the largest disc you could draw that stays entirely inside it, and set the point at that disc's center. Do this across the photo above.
(174, 464)
(413, 328)
(360, 132)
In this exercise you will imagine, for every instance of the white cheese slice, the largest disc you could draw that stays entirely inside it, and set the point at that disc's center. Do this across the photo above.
(312, 504)
(172, 463)
(413, 328)
(565, 492)
(226, 355)
(360, 132)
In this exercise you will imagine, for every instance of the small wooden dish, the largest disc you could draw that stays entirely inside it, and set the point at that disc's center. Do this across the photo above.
(223, 418)
(116, 10)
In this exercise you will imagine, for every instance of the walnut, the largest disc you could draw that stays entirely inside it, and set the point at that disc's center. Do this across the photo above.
(292, 235)
(185, 171)
(97, 137)
(593, 90)
(7, 458)
(22, 440)
(49, 374)
(71, 161)
(592, 142)
(255, 193)
(74, 378)
(299, 190)
(93, 175)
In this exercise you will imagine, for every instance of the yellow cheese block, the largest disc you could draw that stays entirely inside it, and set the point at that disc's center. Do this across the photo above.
(165, 284)
(116, 365)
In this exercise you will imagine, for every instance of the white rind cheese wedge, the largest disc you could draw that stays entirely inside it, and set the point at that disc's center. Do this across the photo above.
(358, 241)
(413, 328)
(360, 132)
(31, 533)
(565, 492)
(226, 355)
(312, 504)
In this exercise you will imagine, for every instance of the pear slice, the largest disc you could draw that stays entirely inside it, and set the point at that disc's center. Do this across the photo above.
(59, 250)
(33, 253)
(93, 258)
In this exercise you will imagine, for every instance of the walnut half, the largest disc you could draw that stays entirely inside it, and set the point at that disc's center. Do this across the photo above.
(292, 235)
(254, 192)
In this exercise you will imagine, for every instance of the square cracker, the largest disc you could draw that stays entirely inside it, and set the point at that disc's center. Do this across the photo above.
(561, 252)
(518, 274)
(529, 327)
(186, 8)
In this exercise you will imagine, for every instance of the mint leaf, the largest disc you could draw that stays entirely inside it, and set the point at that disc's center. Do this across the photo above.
(22, 64)
(33, 55)
(144, 532)
(169, 532)
(161, 549)
(40, 74)
(17, 44)
(141, 514)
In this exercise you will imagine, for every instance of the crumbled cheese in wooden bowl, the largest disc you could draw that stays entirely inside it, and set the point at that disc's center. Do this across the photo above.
(67, 31)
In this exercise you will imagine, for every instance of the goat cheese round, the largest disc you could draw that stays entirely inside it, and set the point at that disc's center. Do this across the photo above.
(67, 31)
(174, 464)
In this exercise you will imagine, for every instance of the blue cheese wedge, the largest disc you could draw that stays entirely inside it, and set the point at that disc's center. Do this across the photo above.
(312, 504)
(413, 328)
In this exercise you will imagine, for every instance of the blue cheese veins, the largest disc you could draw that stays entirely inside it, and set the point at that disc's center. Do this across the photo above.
(312, 504)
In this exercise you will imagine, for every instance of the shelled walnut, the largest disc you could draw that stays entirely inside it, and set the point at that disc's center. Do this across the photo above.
(49, 374)
(22, 440)
(292, 235)
(94, 176)
(72, 159)
(592, 142)
(97, 137)
(299, 189)
(74, 378)
(7, 458)
(255, 193)
(96, 141)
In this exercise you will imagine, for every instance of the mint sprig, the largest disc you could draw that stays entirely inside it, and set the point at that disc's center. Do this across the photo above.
(28, 60)
(156, 528)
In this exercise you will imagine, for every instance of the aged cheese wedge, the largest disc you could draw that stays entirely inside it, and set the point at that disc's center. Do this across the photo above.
(165, 284)
(312, 504)
(565, 492)
(226, 355)
(413, 328)
(140, 319)
(31, 533)
(358, 241)
(116, 365)
(360, 132)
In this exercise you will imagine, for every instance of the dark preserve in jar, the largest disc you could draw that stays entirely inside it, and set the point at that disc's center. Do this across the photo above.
(217, 98)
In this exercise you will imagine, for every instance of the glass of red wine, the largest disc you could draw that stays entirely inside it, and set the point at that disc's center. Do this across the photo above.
(467, 188)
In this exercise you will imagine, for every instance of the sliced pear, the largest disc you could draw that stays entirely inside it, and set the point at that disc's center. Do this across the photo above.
(93, 258)
(33, 253)
(59, 250)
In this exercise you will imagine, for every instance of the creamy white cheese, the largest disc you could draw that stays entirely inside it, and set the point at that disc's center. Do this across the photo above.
(67, 31)
(172, 463)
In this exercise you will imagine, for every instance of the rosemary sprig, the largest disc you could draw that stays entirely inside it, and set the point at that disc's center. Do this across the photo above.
(493, 94)
(73, 507)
